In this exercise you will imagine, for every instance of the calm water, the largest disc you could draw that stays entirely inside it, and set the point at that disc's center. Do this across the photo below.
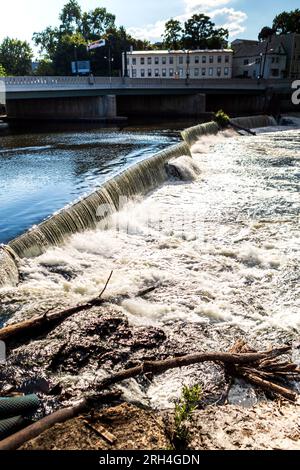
(42, 172)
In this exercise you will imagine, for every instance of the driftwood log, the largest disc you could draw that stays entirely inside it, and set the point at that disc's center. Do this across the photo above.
(33, 327)
(240, 128)
(246, 364)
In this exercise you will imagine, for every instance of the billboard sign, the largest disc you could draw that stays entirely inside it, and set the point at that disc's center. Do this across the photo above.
(83, 67)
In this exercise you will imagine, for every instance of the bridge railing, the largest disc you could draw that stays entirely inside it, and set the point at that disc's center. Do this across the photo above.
(39, 83)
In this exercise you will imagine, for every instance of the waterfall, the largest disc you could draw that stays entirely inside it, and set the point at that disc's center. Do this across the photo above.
(191, 135)
(253, 122)
(88, 212)
(9, 274)
(140, 179)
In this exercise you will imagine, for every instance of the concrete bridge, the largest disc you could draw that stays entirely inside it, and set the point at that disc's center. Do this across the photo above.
(104, 98)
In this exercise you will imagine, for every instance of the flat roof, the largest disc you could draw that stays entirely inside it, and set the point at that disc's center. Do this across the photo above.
(197, 51)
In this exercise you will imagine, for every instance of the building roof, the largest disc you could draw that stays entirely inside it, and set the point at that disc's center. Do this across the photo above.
(265, 47)
(197, 51)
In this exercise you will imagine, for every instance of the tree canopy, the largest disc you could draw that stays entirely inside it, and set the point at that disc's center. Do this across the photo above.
(284, 23)
(16, 56)
(2, 71)
(198, 32)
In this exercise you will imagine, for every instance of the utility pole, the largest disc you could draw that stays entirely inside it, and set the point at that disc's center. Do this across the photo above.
(76, 60)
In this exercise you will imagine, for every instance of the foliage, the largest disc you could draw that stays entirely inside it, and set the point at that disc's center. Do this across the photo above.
(287, 22)
(198, 32)
(184, 407)
(284, 23)
(222, 118)
(16, 56)
(2, 71)
(173, 34)
(265, 33)
(44, 68)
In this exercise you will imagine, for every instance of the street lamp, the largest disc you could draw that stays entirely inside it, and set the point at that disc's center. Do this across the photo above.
(187, 66)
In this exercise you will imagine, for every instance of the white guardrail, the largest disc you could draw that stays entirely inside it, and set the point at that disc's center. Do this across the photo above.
(32, 83)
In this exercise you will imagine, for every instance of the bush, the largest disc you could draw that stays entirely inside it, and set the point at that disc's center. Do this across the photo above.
(184, 407)
(221, 118)
(2, 71)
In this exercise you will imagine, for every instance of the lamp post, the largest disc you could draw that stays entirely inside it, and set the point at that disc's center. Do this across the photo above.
(187, 66)
(76, 59)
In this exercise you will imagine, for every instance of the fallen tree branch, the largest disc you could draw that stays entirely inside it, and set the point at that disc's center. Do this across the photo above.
(158, 367)
(29, 329)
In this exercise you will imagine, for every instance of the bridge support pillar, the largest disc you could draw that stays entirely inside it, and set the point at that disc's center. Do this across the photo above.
(77, 108)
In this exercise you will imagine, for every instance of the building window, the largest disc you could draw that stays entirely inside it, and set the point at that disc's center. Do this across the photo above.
(180, 72)
(142, 60)
(156, 72)
(227, 59)
(171, 60)
(246, 74)
(164, 72)
(149, 60)
(142, 73)
(211, 71)
(164, 60)
(246, 61)
(219, 59)
(156, 60)
(196, 72)
(211, 59)
(133, 61)
(204, 59)
(277, 60)
(273, 60)
(149, 72)
(171, 72)
(219, 71)
(180, 60)
(133, 73)
(203, 72)
(258, 60)
(275, 72)
(197, 59)
(226, 71)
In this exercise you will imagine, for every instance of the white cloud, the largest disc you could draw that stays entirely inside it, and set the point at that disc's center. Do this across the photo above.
(229, 18)
(203, 5)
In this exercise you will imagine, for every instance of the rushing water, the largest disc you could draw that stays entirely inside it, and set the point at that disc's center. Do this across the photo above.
(223, 248)
(40, 173)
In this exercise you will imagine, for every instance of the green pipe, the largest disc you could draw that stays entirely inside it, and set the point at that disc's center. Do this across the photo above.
(10, 425)
(15, 406)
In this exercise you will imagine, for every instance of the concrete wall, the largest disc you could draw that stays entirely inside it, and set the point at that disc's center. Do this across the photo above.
(238, 104)
(98, 107)
(161, 105)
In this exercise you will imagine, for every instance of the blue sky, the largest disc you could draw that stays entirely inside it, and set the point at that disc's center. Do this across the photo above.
(244, 18)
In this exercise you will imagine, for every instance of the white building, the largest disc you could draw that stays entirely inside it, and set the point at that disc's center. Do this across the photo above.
(198, 64)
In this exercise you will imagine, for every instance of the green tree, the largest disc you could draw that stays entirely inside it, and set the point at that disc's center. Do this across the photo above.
(45, 68)
(197, 30)
(16, 56)
(172, 37)
(287, 22)
(96, 23)
(265, 33)
(2, 71)
(71, 16)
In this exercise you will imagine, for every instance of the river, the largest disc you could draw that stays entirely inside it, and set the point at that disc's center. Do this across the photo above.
(43, 171)
(222, 248)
